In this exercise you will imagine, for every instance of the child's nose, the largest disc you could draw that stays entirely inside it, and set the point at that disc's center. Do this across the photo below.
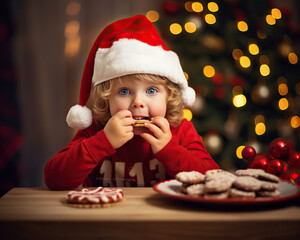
(138, 102)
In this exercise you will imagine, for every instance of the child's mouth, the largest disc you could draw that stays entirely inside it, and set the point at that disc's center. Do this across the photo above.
(140, 118)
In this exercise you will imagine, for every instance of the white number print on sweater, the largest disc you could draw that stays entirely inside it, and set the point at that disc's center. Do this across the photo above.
(118, 178)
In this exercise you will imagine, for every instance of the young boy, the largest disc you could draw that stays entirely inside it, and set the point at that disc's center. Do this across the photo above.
(129, 75)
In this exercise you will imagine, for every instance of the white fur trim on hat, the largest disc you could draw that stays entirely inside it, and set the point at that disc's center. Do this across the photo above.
(79, 117)
(188, 96)
(130, 56)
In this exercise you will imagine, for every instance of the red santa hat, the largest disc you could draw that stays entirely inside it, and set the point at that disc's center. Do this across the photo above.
(127, 46)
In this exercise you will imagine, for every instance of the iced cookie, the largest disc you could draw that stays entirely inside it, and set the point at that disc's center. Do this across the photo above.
(98, 197)
(190, 177)
(237, 193)
(247, 183)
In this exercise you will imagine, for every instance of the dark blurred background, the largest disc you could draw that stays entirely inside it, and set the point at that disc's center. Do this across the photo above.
(240, 56)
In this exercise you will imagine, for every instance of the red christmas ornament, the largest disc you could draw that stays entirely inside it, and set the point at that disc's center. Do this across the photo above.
(294, 160)
(260, 161)
(275, 167)
(292, 175)
(248, 153)
(279, 149)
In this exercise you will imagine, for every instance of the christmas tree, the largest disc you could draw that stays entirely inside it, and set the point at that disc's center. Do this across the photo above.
(240, 57)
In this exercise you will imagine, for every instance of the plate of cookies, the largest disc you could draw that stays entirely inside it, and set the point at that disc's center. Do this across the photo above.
(244, 187)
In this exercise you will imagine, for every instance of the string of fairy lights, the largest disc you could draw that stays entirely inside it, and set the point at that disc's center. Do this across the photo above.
(242, 59)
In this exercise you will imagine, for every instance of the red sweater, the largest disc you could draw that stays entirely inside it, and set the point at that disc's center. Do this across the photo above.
(90, 160)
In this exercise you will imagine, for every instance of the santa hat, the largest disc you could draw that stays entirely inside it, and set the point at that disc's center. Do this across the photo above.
(127, 46)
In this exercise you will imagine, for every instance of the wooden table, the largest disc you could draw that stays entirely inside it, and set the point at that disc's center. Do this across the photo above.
(37, 213)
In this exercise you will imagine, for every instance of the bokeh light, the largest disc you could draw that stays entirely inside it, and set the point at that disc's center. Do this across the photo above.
(253, 49)
(242, 26)
(175, 28)
(245, 61)
(213, 7)
(210, 18)
(209, 71)
(152, 15)
(260, 128)
(283, 104)
(239, 100)
(190, 27)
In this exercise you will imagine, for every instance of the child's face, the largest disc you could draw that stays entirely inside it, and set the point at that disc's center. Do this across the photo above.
(143, 98)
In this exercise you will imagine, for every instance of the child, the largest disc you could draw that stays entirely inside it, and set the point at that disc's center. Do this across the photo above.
(129, 74)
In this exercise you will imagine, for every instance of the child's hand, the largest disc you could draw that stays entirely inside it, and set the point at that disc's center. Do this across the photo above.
(119, 129)
(161, 133)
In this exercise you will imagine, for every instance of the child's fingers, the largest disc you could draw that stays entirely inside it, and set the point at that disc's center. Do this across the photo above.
(162, 123)
(148, 137)
(124, 114)
(155, 129)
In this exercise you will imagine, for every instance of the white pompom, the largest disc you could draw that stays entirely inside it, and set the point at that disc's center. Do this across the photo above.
(188, 96)
(79, 117)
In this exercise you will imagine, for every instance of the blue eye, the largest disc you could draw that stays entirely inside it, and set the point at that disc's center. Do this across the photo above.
(151, 91)
(124, 91)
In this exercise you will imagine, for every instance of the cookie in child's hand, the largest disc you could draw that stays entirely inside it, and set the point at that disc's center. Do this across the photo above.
(92, 198)
(141, 122)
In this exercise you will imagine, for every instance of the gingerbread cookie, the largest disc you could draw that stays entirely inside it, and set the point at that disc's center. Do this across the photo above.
(140, 123)
(268, 186)
(251, 172)
(99, 197)
(237, 193)
(247, 183)
(195, 189)
(217, 173)
(191, 177)
(220, 184)
(274, 193)
(269, 177)
(218, 195)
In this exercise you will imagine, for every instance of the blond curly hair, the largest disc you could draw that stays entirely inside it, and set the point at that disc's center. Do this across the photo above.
(100, 93)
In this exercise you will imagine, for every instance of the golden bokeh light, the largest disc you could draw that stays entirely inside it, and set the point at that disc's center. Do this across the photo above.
(237, 53)
(253, 49)
(239, 100)
(190, 27)
(283, 89)
(242, 26)
(152, 15)
(245, 62)
(238, 151)
(210, 19)
(209, 71)
(283, 104)
(175, 28)
(188, 6)
(260, 128)
(187, 114)
(295, 121)
(276, 13)
(197, 7)
(293, 59)
(213, 7)
(264, 70)
(270, 19)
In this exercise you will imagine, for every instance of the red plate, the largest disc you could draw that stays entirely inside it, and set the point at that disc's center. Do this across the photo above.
(171, 188)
